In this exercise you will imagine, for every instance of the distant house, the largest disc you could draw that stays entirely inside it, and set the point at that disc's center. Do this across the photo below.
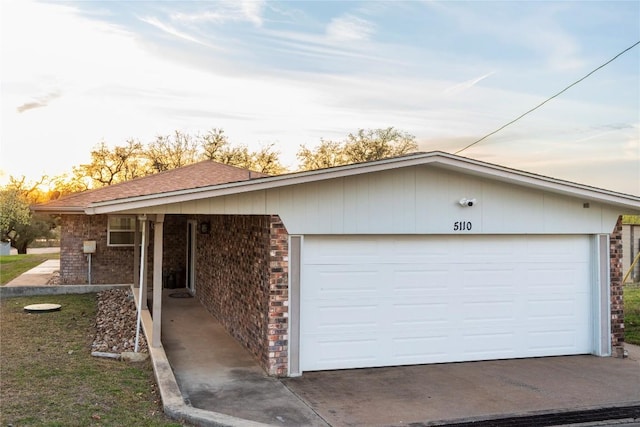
(424, 258)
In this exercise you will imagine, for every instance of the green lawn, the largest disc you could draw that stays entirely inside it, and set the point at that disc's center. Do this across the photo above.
(632, 314)
(49, 377)
(11, 266)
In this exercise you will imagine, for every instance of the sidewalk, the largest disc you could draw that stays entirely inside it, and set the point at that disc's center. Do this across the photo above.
(37, 276)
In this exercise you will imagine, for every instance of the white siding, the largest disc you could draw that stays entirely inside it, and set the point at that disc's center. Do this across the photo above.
(412, 200)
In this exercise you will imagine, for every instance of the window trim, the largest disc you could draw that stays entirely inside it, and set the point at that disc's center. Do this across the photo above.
(129, 231)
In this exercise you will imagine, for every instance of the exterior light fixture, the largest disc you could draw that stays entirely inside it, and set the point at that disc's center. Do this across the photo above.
(205, 227)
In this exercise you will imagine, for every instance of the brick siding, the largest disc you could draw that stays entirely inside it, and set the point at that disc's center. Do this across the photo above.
(113, 265)
(241, 274)
(242, 279)
(277, 361)
(617, 307)
(109, 265)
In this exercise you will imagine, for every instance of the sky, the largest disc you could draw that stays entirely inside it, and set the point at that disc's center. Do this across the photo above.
(288, 73)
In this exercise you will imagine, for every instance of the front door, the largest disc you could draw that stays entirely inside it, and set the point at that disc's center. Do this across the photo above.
(191, 256)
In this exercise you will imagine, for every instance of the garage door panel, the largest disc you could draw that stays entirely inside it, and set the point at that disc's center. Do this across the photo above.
(357, 317)
(547, 278)
(488, 312)
(487, 278)
(342, 282)
(552, 310)
(488, 344)
(411, 350)
(477, 251)
(364, 251)
(351, 351)
(411, 250)
(552, 342)
(419, 315)
(394, 300)
(409, 280)
(570, 251)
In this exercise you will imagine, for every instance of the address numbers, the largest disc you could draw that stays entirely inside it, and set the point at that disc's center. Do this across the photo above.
(462, 226)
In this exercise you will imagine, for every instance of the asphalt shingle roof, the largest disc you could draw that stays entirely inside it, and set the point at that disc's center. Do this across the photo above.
(196, 175)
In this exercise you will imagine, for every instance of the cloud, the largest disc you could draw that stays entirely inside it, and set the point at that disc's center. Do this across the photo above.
(460, 87)
(170, 30)
(226, 11)
(207, 16)
(350, 28)
(252, 10)
(43, 101)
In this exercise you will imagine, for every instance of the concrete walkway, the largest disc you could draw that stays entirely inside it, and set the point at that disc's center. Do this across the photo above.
(216, 374)
(37, 276)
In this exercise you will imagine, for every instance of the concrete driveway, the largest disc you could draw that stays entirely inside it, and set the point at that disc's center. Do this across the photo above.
(468, 391)
(215, 373)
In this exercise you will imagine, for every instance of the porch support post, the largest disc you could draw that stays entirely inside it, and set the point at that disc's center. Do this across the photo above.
(157, 280)
(141, 296)
(144, 262)
(136, 255)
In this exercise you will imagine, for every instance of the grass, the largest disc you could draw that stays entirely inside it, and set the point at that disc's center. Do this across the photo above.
(632, 314)
(49, 378)
(11, 266)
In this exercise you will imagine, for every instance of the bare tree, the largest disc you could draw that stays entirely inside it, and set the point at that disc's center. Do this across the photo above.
(172, 151)
(325, 155)
(376, 144)
(110, 166)
(363, 146)
(216, 147)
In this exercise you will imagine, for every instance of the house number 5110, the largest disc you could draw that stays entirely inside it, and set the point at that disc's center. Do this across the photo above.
(462, 226)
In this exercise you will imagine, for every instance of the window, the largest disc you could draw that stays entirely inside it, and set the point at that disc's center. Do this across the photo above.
(121, 230)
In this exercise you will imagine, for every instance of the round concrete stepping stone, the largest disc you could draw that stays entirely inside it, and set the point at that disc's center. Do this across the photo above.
(42, 308)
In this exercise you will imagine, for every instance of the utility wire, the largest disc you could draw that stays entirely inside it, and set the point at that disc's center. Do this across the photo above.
(548, 99)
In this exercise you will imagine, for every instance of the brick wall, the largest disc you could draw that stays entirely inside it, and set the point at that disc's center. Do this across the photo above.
(617, 308)
(241, 278)
(110, 264)
(277, 362)
(241, 273)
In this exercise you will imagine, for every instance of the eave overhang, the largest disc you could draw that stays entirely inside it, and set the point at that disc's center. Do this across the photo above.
(58, 209)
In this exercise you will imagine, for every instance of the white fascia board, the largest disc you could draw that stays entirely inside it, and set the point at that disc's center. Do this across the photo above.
(59, 210)
(448, 161)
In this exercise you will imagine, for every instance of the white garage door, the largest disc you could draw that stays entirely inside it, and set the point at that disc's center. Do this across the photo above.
(395, 300)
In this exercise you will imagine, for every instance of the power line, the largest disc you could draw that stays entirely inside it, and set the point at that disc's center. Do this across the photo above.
(548, 99)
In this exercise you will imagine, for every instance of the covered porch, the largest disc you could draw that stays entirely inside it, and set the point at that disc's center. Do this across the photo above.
(234, 266)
